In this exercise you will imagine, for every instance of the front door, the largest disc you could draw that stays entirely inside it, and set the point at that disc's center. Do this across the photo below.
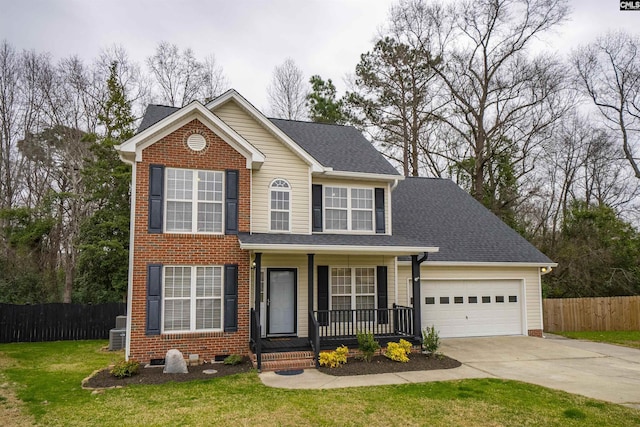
(281, 301)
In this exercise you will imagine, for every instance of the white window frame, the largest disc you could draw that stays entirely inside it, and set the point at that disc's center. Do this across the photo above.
(287, 190)
(193, 298)
(194, 202)
(350, 209)
(353, 294)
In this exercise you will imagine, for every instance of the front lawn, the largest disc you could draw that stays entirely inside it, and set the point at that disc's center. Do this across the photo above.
(625, 338)
(47, 376)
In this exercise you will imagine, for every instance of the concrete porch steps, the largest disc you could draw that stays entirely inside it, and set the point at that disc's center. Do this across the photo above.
(283, 361)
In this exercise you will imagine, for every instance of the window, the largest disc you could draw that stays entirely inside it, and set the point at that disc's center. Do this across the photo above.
(429, 300)
(192, 298)
(353, 289)
(280, 205)
(458, 300)
(499, 298)
(486, 300)
(194, 201)
(513, 298)
(473, 300)
(349, 209)
(444, 300)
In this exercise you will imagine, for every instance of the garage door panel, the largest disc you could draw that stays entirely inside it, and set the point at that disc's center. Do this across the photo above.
(461, 316)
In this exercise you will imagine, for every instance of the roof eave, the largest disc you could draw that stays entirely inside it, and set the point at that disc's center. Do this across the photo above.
(332, 249)
(361, 175)
(482, 264)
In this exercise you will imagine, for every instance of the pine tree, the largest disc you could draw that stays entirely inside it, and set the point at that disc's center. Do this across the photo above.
(104, 243)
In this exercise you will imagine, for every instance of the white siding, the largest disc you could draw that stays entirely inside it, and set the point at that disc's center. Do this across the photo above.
(530, 276)
(280, 162)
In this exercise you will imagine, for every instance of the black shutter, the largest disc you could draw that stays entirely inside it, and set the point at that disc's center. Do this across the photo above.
(383, 315)
(156, 192)
(380, 210)
(154, 298)
(231, 298)
(231, 208)
(316, 206)
(323, 295)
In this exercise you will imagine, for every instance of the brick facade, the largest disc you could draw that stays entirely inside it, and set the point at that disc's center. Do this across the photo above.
(189, 249)
(535, 333)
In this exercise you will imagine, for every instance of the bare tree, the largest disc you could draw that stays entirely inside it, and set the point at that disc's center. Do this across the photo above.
(608, 70)
(287, 92)
(10, 71)
(502, 102)
(181, 78)
(214, 81)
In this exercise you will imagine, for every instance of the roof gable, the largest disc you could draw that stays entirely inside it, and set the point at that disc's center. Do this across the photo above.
(233, 96)
(441, 213)
(131, 150)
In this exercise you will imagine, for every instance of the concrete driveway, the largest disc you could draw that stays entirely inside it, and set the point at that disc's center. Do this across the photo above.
(601, 371)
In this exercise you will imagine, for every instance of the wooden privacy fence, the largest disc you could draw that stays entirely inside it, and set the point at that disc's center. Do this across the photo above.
(592, 314)
(54, 322)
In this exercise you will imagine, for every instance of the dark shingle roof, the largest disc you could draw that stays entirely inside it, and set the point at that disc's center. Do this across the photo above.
(153, 114)
(342, 148)
(439, 212)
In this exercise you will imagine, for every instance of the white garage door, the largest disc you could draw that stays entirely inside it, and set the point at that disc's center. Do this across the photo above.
(472, 308)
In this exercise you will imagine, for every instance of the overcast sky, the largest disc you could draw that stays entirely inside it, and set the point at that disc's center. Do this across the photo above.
(248, 37)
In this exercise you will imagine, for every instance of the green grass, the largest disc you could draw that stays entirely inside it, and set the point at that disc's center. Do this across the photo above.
(47, 379)
(625, 338)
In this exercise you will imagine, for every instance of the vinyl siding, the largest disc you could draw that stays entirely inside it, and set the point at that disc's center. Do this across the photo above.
(280, 162)
(362, 184)
(530, 276)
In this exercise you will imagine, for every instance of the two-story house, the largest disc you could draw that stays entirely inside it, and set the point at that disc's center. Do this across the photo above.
(254, 234)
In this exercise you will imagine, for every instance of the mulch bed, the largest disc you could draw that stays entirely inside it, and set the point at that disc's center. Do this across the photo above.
(382, 365)
(355, 366)
(154, 375)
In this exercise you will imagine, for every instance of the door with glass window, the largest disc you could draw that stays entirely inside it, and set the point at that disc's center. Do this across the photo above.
(281, 310)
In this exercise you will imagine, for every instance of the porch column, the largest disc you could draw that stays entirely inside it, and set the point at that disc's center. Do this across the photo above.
(310, 279)
(257, 265)
(417, 299)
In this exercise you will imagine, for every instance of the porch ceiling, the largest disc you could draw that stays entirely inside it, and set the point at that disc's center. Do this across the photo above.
(332, 243)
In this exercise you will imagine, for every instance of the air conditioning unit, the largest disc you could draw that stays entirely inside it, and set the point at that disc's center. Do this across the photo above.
(117, 339)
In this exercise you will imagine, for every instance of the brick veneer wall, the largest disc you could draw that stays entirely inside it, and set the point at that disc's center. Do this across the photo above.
(535, 333)
(189, 249)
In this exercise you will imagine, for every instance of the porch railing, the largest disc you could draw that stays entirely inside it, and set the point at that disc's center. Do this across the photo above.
(314, 337)
(379, 321)
(256, 338)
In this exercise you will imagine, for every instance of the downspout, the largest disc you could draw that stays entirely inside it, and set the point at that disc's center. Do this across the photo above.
(415, 277)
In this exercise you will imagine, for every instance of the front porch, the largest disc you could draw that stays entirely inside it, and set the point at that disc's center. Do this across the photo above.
(343, 295)
(329, 329)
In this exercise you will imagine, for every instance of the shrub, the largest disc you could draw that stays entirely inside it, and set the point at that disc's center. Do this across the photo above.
(430, 339)
(234, 359)
(406, 345)
(367, 345)
(398, 351)
(334, 359)
(125, 368)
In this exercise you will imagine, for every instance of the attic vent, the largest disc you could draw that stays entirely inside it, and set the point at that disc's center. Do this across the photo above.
(196, 142)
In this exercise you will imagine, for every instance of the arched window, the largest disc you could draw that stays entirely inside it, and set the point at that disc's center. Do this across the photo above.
(280, 205)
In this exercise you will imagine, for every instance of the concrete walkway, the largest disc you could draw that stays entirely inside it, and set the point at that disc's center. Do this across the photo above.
(601, 371)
